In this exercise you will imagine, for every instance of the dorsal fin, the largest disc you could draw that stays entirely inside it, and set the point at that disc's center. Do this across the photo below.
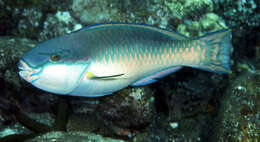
(172, 34)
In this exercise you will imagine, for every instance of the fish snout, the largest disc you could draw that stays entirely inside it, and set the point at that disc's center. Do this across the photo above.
(22, 66)
(26, 72)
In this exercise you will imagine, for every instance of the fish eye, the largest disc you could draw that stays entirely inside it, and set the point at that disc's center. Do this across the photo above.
(55, 57)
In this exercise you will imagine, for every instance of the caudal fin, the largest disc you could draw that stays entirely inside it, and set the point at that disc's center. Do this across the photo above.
(218, 49)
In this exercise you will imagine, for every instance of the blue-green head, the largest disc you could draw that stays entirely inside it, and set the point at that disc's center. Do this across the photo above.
(53, 65)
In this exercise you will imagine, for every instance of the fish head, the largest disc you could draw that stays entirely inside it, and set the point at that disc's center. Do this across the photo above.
(52, 66)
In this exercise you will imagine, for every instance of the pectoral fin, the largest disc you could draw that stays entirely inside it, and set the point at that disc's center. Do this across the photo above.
(92, 76)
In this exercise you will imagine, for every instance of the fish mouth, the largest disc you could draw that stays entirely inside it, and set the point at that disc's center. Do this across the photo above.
(28, 73)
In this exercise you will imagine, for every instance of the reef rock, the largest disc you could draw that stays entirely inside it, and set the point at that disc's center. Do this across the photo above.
(72, 137)
(129, 108)
(239, 115)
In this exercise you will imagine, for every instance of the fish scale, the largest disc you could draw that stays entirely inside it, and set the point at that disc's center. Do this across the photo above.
(135, 49)
(105, 58)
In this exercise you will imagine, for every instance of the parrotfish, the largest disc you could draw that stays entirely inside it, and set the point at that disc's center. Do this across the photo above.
(100, 59)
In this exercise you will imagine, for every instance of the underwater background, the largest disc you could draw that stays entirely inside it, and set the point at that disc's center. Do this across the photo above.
(188, 106)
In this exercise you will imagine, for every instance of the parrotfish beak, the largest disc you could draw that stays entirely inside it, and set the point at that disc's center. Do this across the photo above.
(28, 73)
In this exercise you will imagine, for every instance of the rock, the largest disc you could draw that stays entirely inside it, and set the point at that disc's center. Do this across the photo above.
(239, 115)
(11, 49)
(44, 118)
(72, 137)
(13, 128)
(119, 114)
(241, 16)
(16, 94)
(129, 108)
(58, 24)
(187, 104)
(84, 105)
(10, 128)
(26, 17)
(98, 11)
(93, 11)
(88, 123)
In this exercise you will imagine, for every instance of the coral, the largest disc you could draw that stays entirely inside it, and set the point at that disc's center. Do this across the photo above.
(183, 9)
(190, 24)
(59, 23)
(209, 22)
(212, 22)
(200, 6)
(29, 26)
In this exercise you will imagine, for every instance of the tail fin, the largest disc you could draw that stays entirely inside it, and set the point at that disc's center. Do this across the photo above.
(219, 48)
